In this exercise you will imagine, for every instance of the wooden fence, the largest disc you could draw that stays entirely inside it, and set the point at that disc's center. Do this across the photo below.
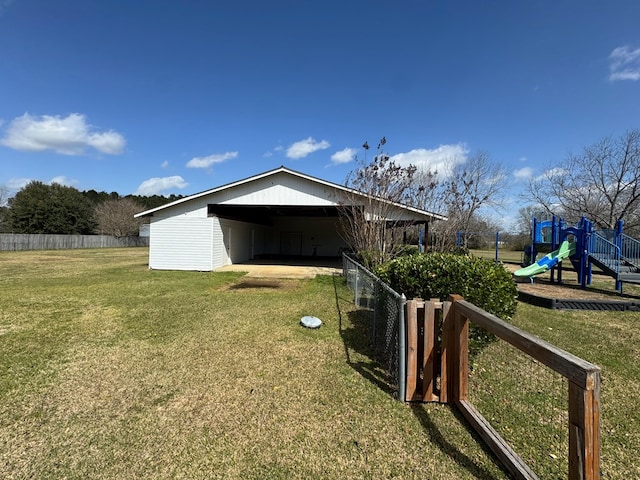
(438, 371)
(15, 241)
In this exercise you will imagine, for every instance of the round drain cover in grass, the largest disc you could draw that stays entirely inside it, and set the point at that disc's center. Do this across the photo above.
(310, 322)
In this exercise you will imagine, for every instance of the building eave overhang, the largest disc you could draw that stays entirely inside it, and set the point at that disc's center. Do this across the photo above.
(282, 169)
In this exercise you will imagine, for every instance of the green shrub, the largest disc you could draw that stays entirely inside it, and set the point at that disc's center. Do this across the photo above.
(437, 275)
(369, 258)
(372, 258)
(405, 250)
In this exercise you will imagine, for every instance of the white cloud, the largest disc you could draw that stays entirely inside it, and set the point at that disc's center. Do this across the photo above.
(71, 135)
(156, 185)
(344, 156)
(442, 159)
(625, 64)
(62, 180)
(275, 150)
(523, 173)
(306, 147)
(553, 172)
(206, 162)
(15, 184)
(164, 164)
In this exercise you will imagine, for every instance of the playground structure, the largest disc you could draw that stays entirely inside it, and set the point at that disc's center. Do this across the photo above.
(614, 253)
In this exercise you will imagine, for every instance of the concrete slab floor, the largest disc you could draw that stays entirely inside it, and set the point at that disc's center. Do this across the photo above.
(281, 271)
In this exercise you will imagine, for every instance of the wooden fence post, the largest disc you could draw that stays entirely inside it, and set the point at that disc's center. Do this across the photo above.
(460, 360)
(584, 428)
(452, 331)
(430, 363)
(411, 316)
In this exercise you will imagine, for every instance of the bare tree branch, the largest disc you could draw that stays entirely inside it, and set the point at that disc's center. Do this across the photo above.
(601, 183)
(116, 217)
(369, 214)
(475, 184)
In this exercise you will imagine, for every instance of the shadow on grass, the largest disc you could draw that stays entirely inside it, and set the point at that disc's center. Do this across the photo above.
(354, 331)
(440, 440)
(355, 338)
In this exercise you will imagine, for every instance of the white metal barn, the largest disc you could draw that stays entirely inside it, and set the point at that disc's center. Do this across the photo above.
(279, 213)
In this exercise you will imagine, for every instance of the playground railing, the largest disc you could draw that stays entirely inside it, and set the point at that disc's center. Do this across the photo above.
(609, 235)
(631, 250)
(605, 253)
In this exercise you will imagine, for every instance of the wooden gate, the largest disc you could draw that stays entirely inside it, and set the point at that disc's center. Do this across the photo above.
(437, 370)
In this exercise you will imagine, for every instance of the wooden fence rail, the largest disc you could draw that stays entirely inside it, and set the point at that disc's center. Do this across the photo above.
(438, 371)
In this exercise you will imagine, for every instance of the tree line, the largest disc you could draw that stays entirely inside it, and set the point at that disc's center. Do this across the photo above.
(601, 182)
(58, 209)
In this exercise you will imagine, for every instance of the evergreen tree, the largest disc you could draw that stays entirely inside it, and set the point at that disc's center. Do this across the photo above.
(52, 209)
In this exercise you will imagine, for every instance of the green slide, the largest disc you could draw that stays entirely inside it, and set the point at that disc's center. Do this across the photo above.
(545, 263)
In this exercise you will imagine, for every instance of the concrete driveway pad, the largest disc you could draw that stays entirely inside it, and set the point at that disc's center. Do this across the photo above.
(280, 271)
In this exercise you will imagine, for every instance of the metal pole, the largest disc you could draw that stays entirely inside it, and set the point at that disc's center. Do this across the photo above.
(376, 305)
(355, 289)
(402, 353)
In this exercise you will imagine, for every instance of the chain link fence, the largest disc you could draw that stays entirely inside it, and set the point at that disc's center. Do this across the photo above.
(386, 319)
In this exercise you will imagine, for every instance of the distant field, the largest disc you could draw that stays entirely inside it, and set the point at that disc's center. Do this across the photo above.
(504, 255)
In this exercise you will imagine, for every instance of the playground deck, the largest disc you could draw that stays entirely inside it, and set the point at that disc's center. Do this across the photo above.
(570, 296)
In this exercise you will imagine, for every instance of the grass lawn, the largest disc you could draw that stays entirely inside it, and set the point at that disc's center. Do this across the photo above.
(504, 255)
(111, 370)
(611, 340)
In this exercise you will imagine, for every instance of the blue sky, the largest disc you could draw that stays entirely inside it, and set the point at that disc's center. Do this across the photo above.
(169, 96)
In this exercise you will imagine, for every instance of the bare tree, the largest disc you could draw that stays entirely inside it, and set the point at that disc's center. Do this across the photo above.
(473, 185)
(369, 212)
(524, 221)
(601, 183)
(115, 217)
(4, 197)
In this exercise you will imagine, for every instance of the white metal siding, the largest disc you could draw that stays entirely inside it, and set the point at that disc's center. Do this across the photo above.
(237, 237)
(218, 258)
(196, 208)
(235, 242)
(181, 243)
(281, 189)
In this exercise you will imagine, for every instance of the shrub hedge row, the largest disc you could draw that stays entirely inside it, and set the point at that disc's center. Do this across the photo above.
(437, 275)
